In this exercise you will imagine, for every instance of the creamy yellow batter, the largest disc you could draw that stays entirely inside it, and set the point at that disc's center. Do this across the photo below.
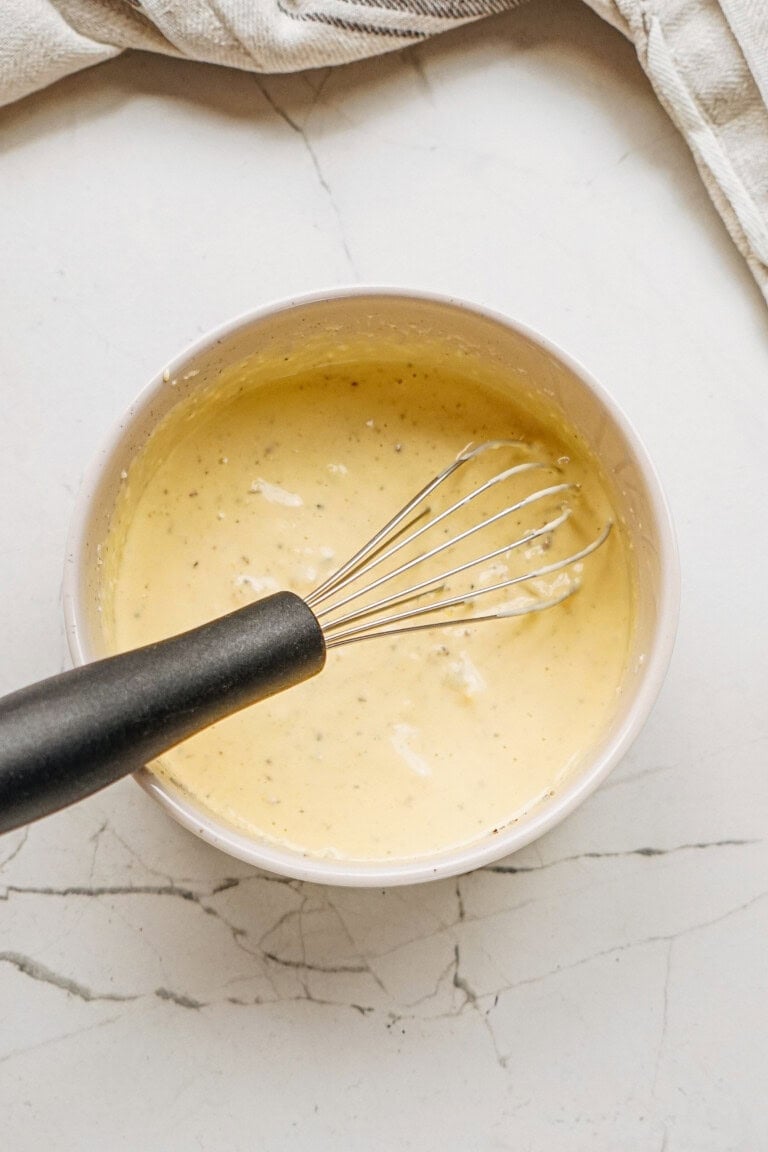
(400, 747)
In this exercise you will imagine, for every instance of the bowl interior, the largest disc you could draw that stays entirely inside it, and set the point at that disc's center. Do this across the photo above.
(315, 331)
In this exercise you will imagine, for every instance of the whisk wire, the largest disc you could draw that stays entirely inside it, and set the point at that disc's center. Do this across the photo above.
(502, 612)
(435, 582)
(444, 545)
(387, 615)
(354, 634)
(379, 540)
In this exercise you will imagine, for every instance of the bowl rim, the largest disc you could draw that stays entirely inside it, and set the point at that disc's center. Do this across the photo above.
(289, 862)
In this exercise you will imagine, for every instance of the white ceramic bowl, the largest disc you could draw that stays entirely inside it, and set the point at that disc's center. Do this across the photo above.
(527, 358)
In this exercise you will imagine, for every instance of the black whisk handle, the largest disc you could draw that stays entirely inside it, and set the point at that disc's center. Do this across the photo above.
(69, 736)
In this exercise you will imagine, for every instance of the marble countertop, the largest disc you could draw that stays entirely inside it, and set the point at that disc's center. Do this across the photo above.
(606, 987)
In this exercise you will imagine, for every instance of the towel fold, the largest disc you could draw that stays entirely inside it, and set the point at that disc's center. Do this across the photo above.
(706, 59)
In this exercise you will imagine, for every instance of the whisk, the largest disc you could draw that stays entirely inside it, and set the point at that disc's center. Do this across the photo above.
(68, 736)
